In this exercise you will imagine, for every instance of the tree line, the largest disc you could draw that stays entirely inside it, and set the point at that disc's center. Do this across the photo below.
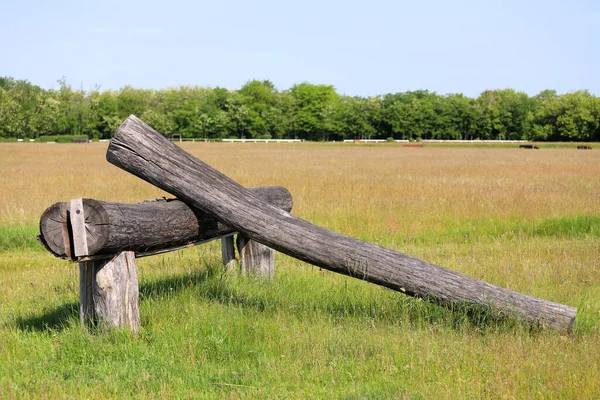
(305, 111)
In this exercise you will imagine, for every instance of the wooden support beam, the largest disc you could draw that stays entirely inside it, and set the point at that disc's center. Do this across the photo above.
(255, 258)
(139, 149)
(228, 253)
(109, 292)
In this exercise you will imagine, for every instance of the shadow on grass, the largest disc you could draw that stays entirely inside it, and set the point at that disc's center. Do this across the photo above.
(211, 284)
(488, 319)
(59, 318)
(55, 319)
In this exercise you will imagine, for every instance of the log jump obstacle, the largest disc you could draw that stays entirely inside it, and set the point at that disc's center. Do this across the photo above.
(140, 150)
(106, 238)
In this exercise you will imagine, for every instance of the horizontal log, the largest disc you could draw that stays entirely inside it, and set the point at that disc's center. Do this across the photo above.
(140, 150)
(144, 227)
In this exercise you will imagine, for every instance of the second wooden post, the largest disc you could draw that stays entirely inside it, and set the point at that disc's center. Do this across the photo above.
(255, 258)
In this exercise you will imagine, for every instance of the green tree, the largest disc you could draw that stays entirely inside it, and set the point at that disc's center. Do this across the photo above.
(359, 117)
(108, 118)
(314, 110)
(9, 114)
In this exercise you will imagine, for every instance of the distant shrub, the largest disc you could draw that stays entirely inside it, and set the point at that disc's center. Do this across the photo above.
(45, 139)
(390, 139)
(61, 138)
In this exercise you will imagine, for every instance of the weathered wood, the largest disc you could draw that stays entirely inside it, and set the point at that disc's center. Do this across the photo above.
(86, 292)
(144, 228)
(255, 258)
(77, 218)
(139, 149)
(54, 230)
(109, 292)
(228, 253)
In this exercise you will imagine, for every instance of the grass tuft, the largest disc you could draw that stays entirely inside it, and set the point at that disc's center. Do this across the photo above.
(19, 238)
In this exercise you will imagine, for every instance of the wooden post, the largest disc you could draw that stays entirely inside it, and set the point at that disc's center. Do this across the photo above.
(108, 288)
(255, 258)
(109, 292)
(228, 253)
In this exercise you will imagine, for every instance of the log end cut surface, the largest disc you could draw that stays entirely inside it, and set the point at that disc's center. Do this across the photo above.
(54, 232)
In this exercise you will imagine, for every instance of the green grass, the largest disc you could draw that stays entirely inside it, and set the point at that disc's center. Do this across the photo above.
(19, 237)
(307, 334)
(579, 226)
(524, 220)
(491, 229)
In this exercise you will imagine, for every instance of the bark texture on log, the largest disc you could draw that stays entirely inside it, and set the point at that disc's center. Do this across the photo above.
(164, 223)
(139, 149)
(109, 292)
(255, 258)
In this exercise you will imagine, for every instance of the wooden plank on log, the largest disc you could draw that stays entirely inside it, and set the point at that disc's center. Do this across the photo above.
(109, 292)
(77, 218)
(228, 253)
(255, 258)
(146, 228)
(140, 150)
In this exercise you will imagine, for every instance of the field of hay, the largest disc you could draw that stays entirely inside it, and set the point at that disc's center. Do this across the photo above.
(522, 219)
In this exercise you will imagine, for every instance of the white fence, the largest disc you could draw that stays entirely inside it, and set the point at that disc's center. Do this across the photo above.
(472, 141)
(263, 140)
(434, 141)
(302, 140)
(193, 140)
(373, 141)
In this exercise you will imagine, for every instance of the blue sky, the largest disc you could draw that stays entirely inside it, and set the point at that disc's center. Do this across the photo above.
(362, 48)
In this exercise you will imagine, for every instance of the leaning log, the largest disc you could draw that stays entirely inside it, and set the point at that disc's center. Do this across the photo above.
(139, 149)
(144, 227)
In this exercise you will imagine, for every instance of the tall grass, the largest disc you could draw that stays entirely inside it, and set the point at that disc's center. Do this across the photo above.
(525, 220)
(19, 238)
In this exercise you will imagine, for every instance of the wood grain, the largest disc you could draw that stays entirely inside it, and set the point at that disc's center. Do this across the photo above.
(109, 292)
(77, 219)
(255, 258)
(144, 227)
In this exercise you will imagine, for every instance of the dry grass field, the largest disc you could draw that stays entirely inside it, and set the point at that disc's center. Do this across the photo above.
(527, 220)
